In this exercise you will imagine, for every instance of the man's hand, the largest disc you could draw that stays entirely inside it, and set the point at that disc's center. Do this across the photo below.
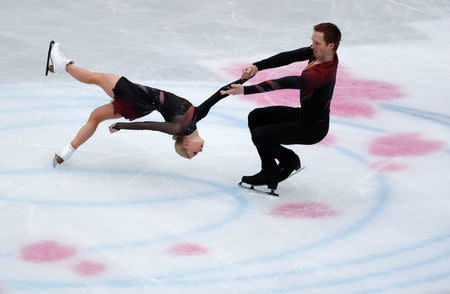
(114, 127)
(235, 89)
(249, 72)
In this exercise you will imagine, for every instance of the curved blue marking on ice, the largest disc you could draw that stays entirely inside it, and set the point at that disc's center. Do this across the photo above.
(435, 117)
(311, 269)
(227, 190)
(31, 285)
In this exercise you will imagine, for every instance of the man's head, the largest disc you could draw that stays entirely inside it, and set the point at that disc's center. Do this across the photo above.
(326, 38)
(188, 146)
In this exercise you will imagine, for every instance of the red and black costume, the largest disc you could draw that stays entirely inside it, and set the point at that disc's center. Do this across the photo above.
(133, 101)
(272, 126)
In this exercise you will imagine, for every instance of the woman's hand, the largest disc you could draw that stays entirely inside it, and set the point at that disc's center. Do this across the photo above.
(114, 127)
(249, 72)
(235, 89)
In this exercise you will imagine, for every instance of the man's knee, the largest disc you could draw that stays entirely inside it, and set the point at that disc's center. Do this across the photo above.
(253, 118)
(258, 136)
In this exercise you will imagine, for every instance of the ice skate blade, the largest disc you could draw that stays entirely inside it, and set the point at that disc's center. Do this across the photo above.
(296, 172)
(57, 160)
(252, 188)
(47, 67)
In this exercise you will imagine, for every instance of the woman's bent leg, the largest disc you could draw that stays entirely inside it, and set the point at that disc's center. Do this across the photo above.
(100, 114)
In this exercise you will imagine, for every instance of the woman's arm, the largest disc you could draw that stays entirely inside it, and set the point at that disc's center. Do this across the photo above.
(172, 128)
(203, 109)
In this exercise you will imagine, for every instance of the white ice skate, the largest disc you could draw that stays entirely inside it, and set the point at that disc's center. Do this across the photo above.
(56, 60)
(62, 156)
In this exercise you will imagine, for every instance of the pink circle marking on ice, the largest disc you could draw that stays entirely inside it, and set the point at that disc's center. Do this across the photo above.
(89, 268)
(403, 145)
(328, 140)
(349, 109)
(187, 249)
(351, 96)
(388, 166)
(303, 210)
(47, 251)
(349, 87)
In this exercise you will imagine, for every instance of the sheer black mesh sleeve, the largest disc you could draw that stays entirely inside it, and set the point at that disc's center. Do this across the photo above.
(172, 128)
(202, 110)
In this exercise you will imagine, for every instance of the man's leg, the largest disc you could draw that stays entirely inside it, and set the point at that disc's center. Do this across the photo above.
(272, 115)
(268, 138)
(276, 115)
(258, 121)
(106, 81)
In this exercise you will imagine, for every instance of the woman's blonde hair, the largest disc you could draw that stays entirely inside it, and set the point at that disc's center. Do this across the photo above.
(179, 147)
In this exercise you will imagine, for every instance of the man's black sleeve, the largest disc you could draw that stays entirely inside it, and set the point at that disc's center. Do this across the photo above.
(291, 82)
(285, 58)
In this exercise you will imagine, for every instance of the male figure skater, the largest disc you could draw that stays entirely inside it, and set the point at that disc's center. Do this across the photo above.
(275, 125)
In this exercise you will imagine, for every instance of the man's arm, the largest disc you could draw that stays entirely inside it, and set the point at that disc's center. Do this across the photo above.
(305, 81)
(171, 128)
(285, 58)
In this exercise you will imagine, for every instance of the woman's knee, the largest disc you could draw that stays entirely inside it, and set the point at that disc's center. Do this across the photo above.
(95, 118)
(98, 115)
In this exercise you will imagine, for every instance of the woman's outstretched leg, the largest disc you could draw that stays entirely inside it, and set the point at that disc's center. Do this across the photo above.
(104, 80)
(61, 63)
(100, 114)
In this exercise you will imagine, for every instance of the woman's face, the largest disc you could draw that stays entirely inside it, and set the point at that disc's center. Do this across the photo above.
(193, 145)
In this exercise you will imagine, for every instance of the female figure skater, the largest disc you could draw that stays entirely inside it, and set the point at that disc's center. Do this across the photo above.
(132, 101)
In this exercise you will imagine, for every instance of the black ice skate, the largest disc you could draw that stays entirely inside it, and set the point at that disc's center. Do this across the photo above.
(287, 167)
(47, 67)
(264, 177)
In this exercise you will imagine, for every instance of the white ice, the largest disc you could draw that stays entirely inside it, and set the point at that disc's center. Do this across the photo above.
(127, 215)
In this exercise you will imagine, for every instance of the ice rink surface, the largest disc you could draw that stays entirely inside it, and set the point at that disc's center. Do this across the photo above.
(369, 214)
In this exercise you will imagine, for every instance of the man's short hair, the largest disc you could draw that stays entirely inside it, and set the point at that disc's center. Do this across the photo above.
(331, 33)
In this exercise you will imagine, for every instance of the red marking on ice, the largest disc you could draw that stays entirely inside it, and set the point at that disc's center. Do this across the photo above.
(328, 140)
(303, 210)
(88, 268)
(187, 249)
(47, 251)
(351, 96)
(388, 166)
(347, 86)
(403, 145)
(351, 108)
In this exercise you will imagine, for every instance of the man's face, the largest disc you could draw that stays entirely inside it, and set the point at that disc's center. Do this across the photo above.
(319, 46)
